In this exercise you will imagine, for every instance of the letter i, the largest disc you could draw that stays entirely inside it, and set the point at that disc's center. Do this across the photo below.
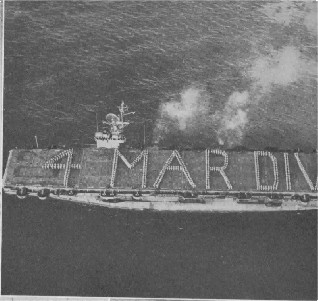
(287, 171)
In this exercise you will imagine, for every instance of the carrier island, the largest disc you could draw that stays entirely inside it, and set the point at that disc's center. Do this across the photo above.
(112, 175)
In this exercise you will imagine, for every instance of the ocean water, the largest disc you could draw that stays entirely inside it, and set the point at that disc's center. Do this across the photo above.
(236, 73)
(241, 73)
(59, 248)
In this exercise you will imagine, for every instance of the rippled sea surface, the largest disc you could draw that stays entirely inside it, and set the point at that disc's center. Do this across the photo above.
(57, 248)
(246, 63)
(65, 61)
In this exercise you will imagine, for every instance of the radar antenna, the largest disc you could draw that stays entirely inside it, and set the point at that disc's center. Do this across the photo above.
(111, 119)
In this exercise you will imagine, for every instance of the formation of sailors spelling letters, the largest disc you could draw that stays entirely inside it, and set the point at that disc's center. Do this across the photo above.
(52, 164)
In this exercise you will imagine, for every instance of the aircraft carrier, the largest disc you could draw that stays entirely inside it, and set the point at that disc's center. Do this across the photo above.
(108, 174)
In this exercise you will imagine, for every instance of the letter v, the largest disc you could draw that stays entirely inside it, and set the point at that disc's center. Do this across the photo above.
(302, 168)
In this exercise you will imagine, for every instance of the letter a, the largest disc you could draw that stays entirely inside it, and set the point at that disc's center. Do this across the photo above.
(182, 167)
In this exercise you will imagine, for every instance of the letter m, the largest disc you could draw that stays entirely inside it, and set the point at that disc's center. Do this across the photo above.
(117, 154)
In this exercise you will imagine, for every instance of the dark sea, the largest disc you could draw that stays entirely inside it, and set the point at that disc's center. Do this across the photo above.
(59, 248)
(241, 74)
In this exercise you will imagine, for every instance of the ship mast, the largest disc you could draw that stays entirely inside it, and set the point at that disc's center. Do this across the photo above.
(122, 110)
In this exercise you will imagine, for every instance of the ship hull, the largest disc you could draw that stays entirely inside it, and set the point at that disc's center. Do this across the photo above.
(175, 203)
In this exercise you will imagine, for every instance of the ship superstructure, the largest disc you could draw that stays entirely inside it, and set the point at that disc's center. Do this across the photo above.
(112, 135)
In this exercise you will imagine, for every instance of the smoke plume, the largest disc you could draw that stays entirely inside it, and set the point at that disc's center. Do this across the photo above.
(233, 119)
(280, 64)
(185, 114)
(281, 67)
(185, 110)
(192, 115)
(289, 13)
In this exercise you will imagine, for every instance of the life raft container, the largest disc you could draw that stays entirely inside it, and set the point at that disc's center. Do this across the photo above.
(56, 191)
(22, 193)
(71, 192)
(246, 198)
(109, 196)
(305, 198)
(43, 194)
(137, 196)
